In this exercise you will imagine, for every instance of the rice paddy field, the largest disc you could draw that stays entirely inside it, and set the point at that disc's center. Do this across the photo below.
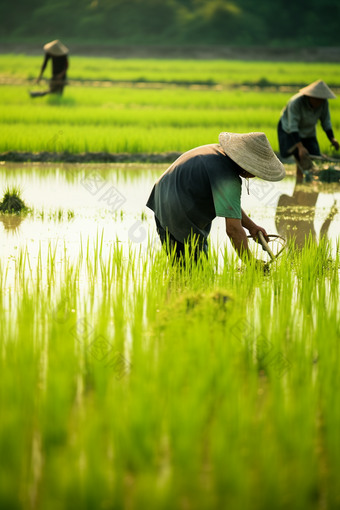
(177, 71)
(116, 117)
(131, 382)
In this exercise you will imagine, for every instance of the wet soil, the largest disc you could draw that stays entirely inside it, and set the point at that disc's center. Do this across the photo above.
(89, 157)
(97, 157)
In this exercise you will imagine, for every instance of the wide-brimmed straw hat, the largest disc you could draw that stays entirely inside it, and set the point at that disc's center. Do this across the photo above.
(253, 153)
(318, 89)
(56, 48)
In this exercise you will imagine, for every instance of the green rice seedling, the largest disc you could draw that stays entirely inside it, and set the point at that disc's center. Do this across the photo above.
(70, 214)
(183, 71)
(128, 120)
(41, 214)
(128, 381)
(12, 202)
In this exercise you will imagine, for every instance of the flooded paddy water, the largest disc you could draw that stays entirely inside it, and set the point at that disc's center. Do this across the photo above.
(75, 205)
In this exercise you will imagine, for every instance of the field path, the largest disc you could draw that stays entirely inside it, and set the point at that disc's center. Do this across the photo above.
(97, 157)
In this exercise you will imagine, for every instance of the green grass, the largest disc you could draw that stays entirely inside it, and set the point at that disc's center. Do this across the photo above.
(204, 419)
(132, 120)
(177, 71)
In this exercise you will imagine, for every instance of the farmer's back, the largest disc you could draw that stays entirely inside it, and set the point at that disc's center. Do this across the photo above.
(201, 184)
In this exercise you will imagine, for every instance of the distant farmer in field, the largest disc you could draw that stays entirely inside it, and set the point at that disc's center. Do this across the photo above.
(296, 129)
(56, 51)
(204, 183)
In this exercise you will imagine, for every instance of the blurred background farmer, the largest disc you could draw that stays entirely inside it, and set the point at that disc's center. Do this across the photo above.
(204, 183)
(56, 51)
(296, 129)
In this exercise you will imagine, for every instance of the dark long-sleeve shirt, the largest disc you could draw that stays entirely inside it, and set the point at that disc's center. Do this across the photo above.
(59, 64)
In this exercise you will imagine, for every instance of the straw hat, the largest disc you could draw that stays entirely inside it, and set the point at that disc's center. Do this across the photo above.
(318, 89)
(253, 153)
(56, 48)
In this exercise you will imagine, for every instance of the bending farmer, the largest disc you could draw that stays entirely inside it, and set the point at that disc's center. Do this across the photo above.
(56, 51)
(296, 129)
(204, 183)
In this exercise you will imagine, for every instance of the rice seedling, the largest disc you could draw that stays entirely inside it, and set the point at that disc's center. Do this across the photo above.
(129, 120)
(41, 214)
(127, 381)
(70, 214)
(12, 202)
(178, 71)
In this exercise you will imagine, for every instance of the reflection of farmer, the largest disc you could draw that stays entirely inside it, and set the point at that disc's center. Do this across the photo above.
(204, 183)
(58, 53)
(295, 215)
(296, 129)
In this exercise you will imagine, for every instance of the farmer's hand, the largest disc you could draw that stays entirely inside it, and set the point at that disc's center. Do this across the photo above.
(305, 161)
(303, 152)
(335, 143)
(255, 229)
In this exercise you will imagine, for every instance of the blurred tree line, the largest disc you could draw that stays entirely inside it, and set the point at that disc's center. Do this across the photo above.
(239, 22)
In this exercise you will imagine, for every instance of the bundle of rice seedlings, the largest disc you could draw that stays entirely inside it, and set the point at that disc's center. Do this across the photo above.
(12, 202)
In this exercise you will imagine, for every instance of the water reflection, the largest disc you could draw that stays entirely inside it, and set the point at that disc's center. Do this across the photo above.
(295, 215)
(11, 223)
(71, 211)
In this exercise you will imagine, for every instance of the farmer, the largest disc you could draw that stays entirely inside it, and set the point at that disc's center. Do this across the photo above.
(58, 53)
(296, 129)
(204, 183)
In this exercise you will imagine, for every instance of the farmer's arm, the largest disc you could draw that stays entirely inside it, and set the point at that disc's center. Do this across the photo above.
(251, 226)
(238, 237)
(47, 56)
(239, 240)
(327, 125)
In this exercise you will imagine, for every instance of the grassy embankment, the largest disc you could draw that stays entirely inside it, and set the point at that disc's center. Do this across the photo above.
(117, 119)
(208, 402)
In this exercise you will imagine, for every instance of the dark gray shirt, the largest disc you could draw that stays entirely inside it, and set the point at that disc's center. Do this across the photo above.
(200, 185)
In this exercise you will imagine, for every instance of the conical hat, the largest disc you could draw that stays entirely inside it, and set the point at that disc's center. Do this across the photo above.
(56, 48)
(253, 153)
(318, 89)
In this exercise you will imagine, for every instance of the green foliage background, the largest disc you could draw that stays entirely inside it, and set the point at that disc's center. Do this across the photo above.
(239, 22)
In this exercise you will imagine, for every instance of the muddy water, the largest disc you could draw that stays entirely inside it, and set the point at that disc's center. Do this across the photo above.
(78, 203)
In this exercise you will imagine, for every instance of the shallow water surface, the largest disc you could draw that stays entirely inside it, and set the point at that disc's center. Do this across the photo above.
(74, 204)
